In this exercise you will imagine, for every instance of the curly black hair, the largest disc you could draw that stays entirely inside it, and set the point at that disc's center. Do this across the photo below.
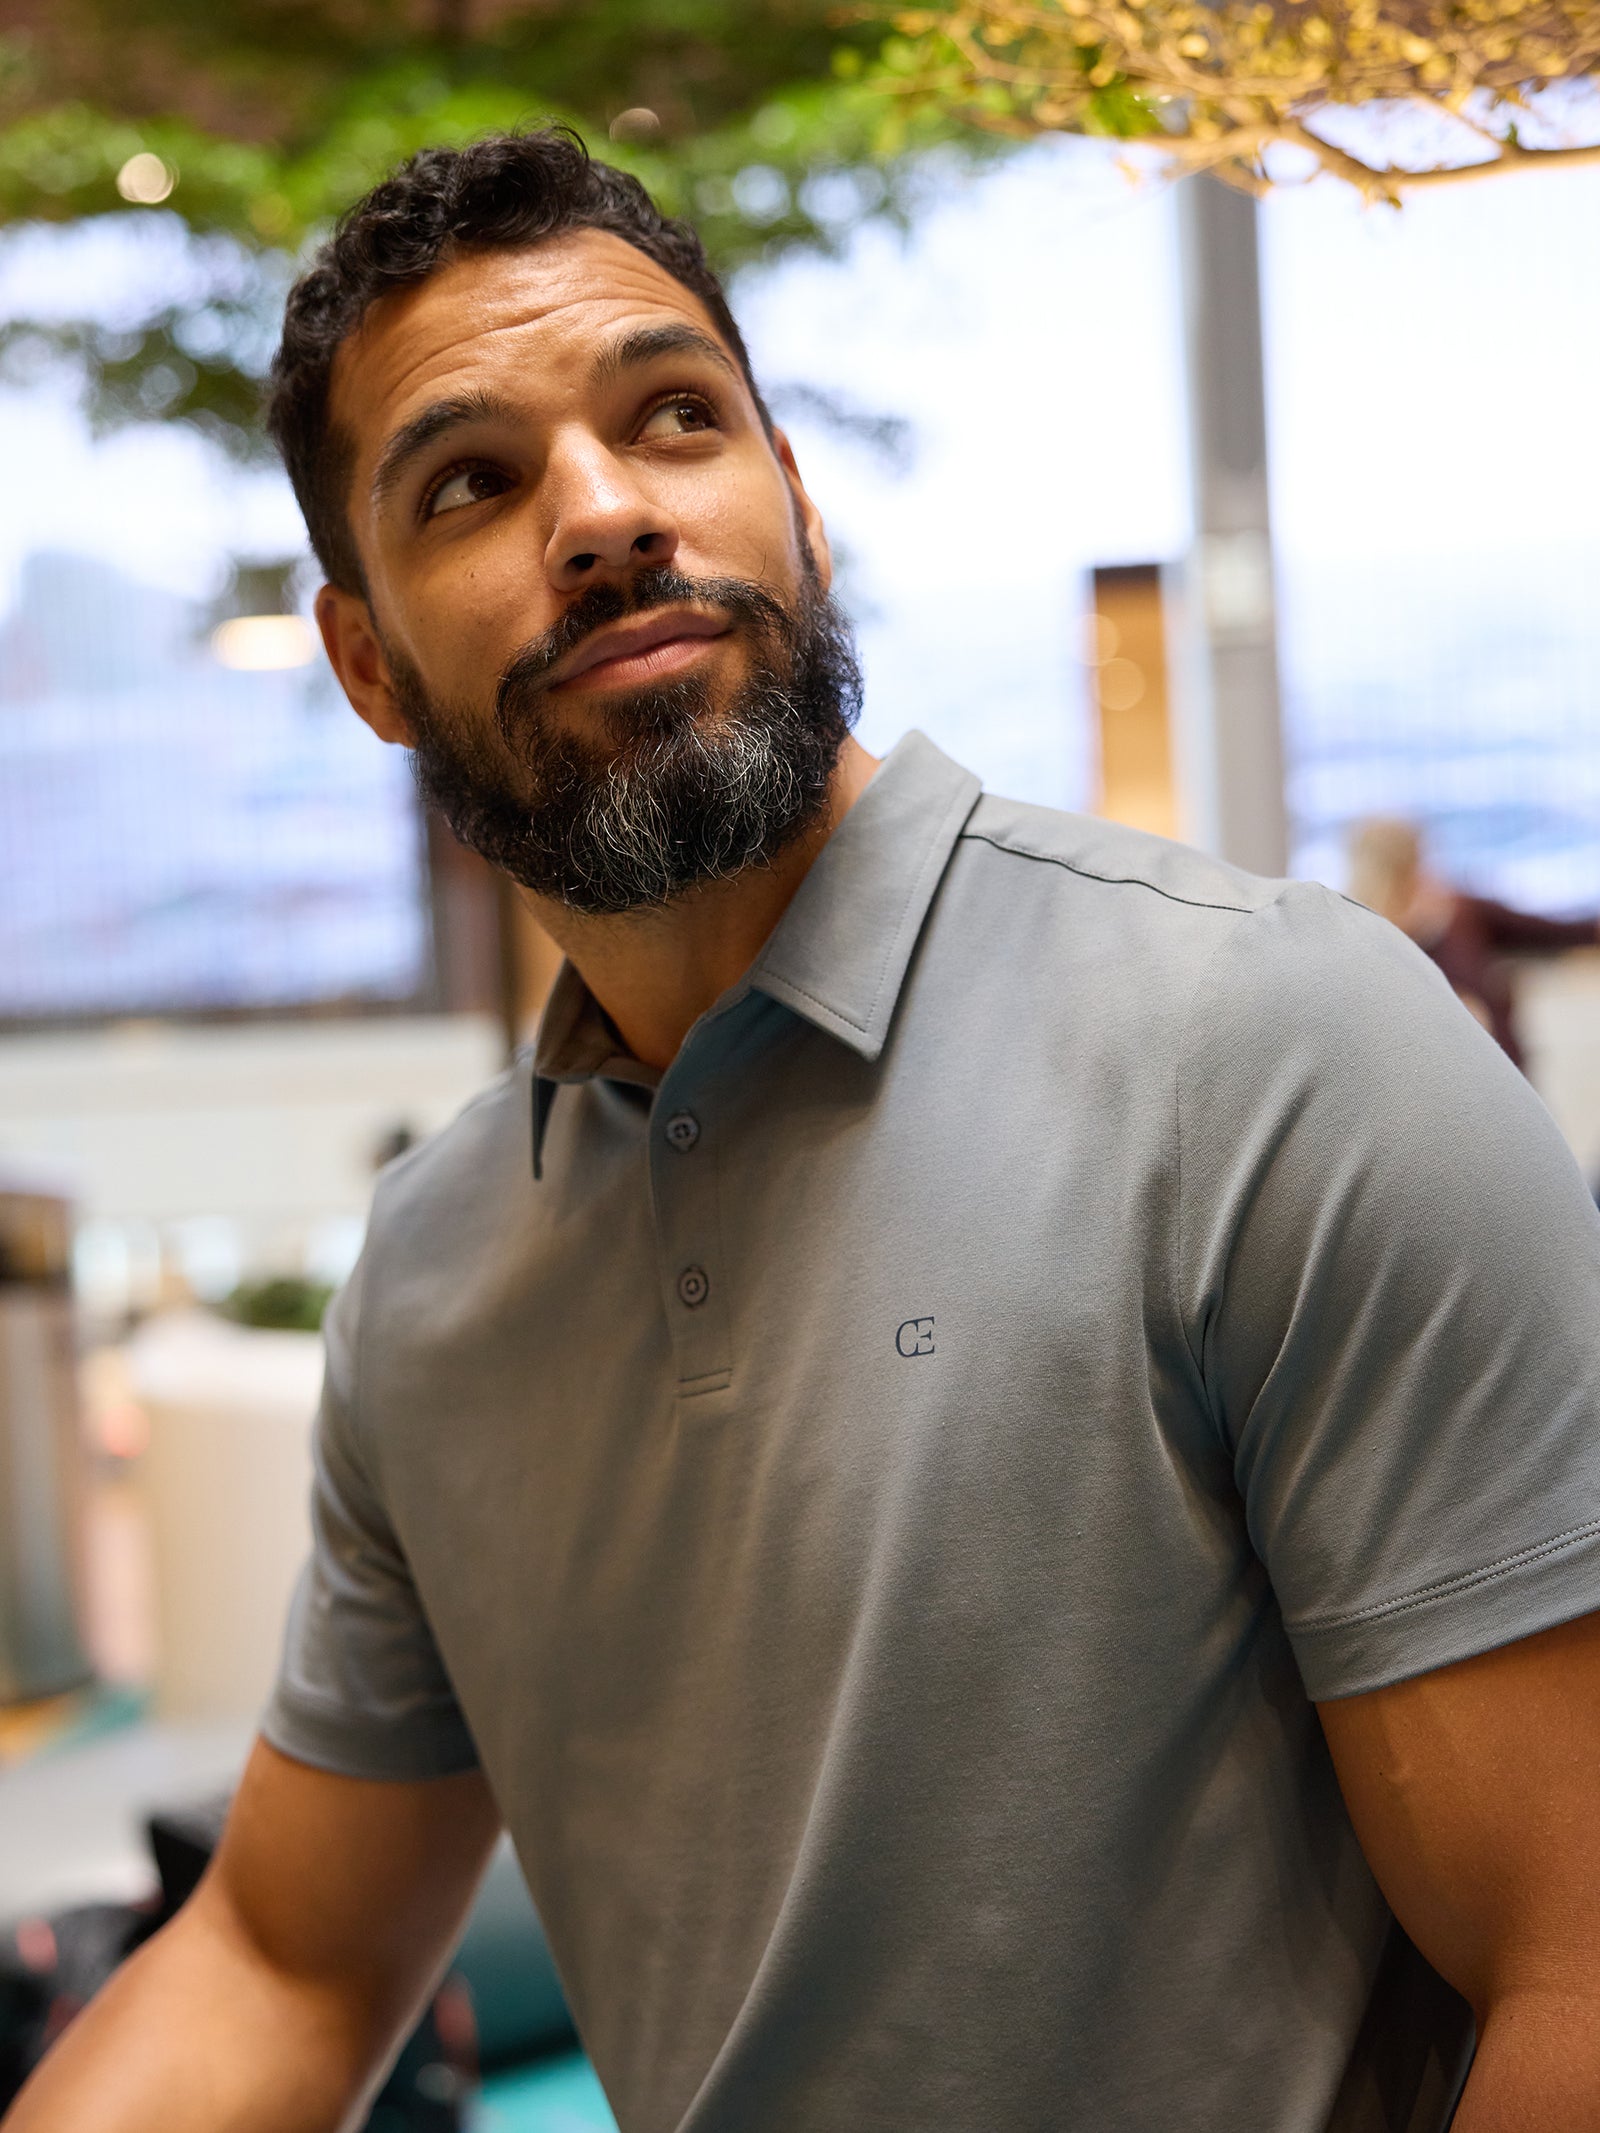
(501, 193)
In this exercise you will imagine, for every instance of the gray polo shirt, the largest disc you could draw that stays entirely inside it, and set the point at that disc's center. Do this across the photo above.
(879, 1504)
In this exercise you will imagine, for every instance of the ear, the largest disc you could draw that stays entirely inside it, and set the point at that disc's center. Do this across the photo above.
(357, 657)
(809, 516)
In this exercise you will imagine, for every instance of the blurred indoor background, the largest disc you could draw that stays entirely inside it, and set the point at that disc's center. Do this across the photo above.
(1244, 521)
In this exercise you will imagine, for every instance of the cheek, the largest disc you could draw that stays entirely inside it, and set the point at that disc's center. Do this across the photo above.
(470, 614)
(740, 528)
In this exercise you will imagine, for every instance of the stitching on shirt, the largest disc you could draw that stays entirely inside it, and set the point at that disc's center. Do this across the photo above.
(1444, 1588)
(706, 1381)
(1116, 881)
(371, 1735)
(836, 1014)
(317, 1703)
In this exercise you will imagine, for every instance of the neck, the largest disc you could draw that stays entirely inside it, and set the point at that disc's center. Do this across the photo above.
(656, 972)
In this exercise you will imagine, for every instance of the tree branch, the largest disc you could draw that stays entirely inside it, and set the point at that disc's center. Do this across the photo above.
(1375, 184)
(1243, 75)
(1509, 158)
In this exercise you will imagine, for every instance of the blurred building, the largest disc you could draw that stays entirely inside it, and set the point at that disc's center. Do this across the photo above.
(180, 836)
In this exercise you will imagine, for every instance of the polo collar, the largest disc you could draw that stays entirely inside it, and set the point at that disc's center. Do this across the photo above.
(576, 1041)
(839, 954)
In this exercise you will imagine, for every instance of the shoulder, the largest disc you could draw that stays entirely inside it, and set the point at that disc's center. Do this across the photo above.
(1320, 981)
(1080, 855)
(1161, 918)
(449, 1200)
(446, 1235)
(1239, 969)
(1321, 1044)
(1282, 935)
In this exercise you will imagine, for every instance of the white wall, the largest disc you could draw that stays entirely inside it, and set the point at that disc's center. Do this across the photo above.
(263, 1133)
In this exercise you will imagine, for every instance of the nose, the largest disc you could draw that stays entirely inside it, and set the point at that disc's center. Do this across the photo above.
(606, 525)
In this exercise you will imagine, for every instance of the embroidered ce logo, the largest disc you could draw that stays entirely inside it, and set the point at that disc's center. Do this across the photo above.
(914, 1336)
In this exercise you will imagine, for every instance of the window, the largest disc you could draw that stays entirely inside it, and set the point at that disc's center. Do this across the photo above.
(177, 835)
(1436, 476)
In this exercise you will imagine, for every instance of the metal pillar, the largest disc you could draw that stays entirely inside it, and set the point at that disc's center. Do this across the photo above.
(1228, 735)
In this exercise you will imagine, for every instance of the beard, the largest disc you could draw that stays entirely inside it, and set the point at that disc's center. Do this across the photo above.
(690, 790)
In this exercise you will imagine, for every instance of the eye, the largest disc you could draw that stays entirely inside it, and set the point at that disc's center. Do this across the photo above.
(464, 485)
(681, 416)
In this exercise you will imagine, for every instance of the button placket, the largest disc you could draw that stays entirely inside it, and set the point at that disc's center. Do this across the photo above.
(683, 1182)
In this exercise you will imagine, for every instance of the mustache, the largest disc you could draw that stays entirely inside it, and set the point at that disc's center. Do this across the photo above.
(600, 605)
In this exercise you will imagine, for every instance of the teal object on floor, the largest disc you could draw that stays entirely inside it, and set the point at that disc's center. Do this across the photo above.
(559, 2095)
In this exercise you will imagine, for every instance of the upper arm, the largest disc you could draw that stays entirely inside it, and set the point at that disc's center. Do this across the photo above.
(1389, 1274)
(353, 1887)
(275, 1997)
(1475, 1793)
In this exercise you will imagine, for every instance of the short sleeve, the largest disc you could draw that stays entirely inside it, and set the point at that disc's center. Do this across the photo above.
(1388, 1269)
(362, 1689)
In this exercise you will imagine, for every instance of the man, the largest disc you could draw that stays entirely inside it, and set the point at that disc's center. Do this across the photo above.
(1473, 939)
(988, 1456)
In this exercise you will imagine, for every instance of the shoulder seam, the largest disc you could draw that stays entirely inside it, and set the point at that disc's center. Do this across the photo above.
(1131, 881)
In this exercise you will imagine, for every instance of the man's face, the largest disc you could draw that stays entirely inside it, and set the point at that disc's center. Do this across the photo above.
(596, 589)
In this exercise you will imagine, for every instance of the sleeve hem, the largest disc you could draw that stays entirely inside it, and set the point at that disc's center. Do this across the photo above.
(352, 1744)
(1535, 1589)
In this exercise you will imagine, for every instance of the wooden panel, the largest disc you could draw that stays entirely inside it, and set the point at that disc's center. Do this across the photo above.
(1125, 648)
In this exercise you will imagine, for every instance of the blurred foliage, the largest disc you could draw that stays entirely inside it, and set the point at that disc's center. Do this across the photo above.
(288, 112)
(196, 353)
(761, 119)
(286, 1303)
(773, 123)
(1441, 89)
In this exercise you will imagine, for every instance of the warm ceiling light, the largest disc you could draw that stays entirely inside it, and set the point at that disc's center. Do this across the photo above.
(257, 644)
(145, 181)
(638, 123)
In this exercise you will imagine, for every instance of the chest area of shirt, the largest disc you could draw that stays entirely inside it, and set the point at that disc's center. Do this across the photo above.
(828, 1226)
(756, 1321)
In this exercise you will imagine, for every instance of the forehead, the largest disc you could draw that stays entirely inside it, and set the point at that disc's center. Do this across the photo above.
(537, 315)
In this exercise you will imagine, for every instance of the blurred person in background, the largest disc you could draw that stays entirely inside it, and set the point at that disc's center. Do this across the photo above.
(1009, 1516)
(1472, 938)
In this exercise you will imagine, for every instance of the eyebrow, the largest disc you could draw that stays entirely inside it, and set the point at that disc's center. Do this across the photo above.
(645, 343)
(415, 436)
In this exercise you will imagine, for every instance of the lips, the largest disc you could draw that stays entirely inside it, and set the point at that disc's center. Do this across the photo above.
(631, 640)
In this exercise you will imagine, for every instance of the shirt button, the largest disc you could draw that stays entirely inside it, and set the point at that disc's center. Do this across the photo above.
(683, 1130)
(693, 1287)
